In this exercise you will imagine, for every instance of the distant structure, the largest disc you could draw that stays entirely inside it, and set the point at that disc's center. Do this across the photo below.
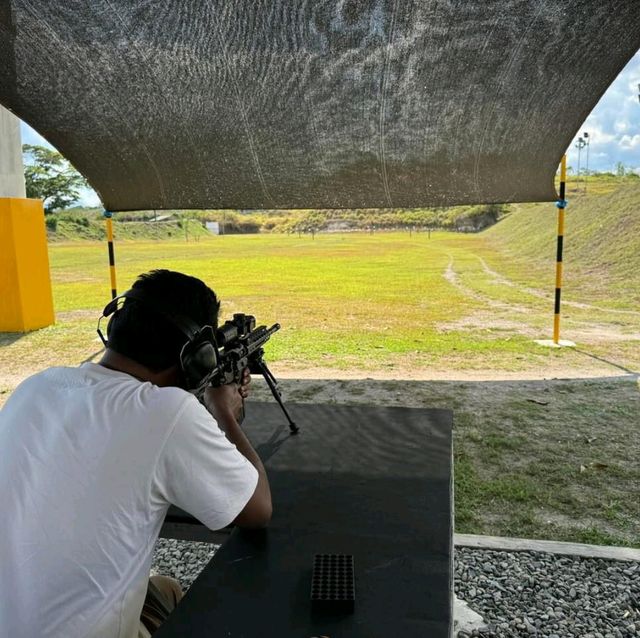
(26, 302)
(213, 228)
(11, 168)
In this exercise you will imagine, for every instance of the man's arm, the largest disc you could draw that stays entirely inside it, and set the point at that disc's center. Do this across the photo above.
(225, 404)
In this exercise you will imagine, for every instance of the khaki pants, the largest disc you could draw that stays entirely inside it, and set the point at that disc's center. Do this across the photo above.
(163, 595)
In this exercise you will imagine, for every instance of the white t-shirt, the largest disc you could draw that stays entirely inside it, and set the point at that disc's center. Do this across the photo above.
(90, 460)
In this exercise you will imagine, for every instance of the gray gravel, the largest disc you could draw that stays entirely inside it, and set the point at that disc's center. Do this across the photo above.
(536, 594)
(517, 593)
(182, 560)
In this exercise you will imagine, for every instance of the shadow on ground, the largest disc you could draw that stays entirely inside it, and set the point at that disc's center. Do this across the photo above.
(7, 338)
(607, 361)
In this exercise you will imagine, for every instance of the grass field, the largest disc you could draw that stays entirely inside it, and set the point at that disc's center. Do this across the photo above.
(358, 301)
(413, 308)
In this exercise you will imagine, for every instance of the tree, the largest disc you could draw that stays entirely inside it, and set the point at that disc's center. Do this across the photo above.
(620, 169)
(50, 177)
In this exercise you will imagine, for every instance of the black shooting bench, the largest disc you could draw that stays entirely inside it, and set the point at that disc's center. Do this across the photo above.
(368, 481)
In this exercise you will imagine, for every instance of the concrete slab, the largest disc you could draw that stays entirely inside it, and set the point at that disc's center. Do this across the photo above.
(549, 343)
(499, 543)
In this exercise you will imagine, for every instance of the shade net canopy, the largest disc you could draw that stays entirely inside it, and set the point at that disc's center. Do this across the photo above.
(312, 103)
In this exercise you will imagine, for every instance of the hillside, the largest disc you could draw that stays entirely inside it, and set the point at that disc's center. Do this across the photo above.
(88, 224)
(601, 245)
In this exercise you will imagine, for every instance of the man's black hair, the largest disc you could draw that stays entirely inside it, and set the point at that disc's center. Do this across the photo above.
(142, 334)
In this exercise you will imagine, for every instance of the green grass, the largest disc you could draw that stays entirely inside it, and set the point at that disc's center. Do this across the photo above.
(343, 300)
(391, 301)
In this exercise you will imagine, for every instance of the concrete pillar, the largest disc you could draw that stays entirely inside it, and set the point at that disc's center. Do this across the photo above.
(26, 301)
(11, 169)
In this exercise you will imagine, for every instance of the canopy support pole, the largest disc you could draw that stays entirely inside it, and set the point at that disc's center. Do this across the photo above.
(112, 258)
(561, 204)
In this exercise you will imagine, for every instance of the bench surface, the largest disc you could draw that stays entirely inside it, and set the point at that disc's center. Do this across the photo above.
(368, 481)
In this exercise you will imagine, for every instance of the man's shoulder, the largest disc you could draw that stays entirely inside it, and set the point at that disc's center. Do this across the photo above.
(46, 377)
(95, 384)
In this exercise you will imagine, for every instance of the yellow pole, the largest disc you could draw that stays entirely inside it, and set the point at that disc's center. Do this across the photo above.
(112, 259)
(561, 204)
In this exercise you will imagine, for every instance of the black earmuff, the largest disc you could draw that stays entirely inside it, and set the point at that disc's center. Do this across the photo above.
(199, 358)
(199, 355)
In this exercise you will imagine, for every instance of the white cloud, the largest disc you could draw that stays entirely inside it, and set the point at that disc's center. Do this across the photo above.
(88, 197)
(628, 143)
(620, 126)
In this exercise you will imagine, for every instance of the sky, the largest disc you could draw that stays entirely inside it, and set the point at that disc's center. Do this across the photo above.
(613, 127)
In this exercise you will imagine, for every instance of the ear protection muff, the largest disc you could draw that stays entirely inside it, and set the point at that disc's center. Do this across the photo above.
(199, 354)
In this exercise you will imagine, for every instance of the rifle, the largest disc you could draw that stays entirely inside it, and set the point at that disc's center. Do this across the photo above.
(239, 346)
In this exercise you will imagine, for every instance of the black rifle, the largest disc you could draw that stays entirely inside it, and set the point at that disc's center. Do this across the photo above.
(240, 346)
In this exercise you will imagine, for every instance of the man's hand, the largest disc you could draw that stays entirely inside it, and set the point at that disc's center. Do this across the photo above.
(225, 404)
(226, 401)
(244, 386)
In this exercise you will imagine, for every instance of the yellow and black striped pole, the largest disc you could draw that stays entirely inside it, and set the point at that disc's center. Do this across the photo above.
(561, 204)
(112, 258)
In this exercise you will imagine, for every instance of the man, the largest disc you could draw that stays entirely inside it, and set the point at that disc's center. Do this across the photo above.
(91, 458)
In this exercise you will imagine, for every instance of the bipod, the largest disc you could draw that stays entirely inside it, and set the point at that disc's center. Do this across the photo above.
(272, 382)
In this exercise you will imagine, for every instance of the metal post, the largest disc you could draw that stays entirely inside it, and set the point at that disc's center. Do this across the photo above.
(561, 204)
(112, 259)
(586, 176)
(579, 145)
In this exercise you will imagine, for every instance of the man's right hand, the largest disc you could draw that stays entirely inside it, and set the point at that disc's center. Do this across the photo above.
(224, 402)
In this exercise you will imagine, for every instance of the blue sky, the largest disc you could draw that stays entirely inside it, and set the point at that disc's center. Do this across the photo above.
(613, 127)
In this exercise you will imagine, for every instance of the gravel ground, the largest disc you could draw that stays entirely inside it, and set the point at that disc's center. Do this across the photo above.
(531, 593)
(517, 593)
(183, 560)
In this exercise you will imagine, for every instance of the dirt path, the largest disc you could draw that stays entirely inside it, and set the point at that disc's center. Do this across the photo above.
(535, 374)
(609, 333)
(504, 281)
(452, 277)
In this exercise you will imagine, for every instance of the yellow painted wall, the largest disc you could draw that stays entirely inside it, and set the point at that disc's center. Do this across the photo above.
(26, 302)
